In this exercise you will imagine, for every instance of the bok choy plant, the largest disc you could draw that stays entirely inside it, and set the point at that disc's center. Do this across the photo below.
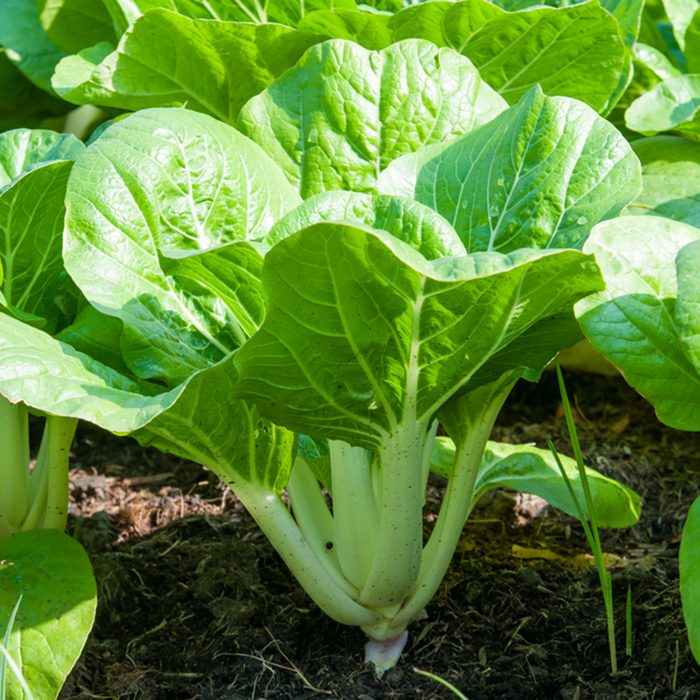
(667, 67)
(39, 565)
(34, 167)
(374, 359)
(336, 302)
(665, 95)
(647, 322)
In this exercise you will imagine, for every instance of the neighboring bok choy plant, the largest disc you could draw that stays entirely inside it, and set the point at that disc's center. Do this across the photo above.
(335, 302)
(667, 66)
(647, 323)
(47, 590)
(666, 110)
(138, 54)
(34, 167)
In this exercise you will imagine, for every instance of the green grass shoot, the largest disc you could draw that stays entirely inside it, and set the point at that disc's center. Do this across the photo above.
(447, 684)
(6, 661)
(587, 517)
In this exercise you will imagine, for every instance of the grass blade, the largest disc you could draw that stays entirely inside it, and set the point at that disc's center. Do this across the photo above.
(7, 661)
(447, 684)
(588, 517)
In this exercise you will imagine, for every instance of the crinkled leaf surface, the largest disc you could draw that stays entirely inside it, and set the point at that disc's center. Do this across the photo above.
(670, 179)
(52, 573)
(34, 169)
(408, 220)
(531, 470)
(153, 192)
(540, 175)
(634, 323)
(24, 149)
(672, 105)
(26, 42)
(167, 59)
(689, 564)
(343, 113)
(362, 332)
(575, 51)
(228, 276)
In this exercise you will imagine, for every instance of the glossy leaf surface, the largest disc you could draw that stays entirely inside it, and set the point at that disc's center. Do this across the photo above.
(53, 576)
(670, 179)
(645, 319)
(576, 51)
(34, 169)
(408, 220)
(342, 114)
(362, 333)
(672, 105)
(165, 59)
(531, 470)
(540, 175)
(689, 563)
(157, 194)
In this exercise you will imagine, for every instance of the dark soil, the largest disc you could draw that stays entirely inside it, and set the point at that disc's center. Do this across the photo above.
(194, 603)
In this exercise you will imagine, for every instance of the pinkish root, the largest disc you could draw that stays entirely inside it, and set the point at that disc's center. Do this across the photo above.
(384, 655)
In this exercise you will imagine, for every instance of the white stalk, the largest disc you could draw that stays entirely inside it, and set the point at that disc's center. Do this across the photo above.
(400, 534)
(454, 511)
(315, 520)
(284, 533)
(38, 485)
(355, 514)
(60, 433)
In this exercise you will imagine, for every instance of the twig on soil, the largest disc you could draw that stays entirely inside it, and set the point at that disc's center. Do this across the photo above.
(269, 665)
(296, 669)
(182, 674)
(674, 679)
(521, 624)
(147, 479)
(133, 641)
(176, 543)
